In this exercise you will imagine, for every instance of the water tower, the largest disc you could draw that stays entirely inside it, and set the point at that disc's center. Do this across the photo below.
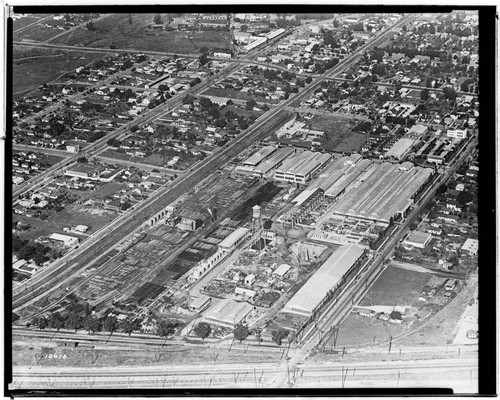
(256, 218)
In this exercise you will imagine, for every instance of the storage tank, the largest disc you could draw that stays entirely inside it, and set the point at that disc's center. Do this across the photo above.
(256, 212)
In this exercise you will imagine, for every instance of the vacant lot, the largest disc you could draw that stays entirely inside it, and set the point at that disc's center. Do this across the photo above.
(22, 22)
(395, 287)
(233, 94)
(358, 330)
(29, 74)
(129, 32)
(338, 133)
(36, 33)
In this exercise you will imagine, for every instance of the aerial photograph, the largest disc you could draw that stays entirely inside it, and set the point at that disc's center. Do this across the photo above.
(243, 200)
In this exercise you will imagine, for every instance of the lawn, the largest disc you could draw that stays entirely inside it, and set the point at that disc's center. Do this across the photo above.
(395, 286)
(29, 74)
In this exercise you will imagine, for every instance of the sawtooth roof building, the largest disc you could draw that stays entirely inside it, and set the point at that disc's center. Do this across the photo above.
(383, 191)
(328, 278)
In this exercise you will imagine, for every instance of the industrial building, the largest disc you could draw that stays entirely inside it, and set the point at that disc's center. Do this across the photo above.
(384, 191)
(199, 304)
(471, 246)
(327, 279)
(300, 167)
(400, 149)
(457, 133)
(418, 239)
(228, 313)
(234, 239)
(256, 158)
(66, 240)
(337, 176)
(265, 160)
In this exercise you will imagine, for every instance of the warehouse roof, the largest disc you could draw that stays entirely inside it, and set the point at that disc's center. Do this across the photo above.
(62, 238)
(471, 245)
(273, 160)
(326, 278)
(400, 148)
(384, 190)
(304, 163)
(259, 156)
(234, 237)
(228, 312)
(418, 237)
(282, 269)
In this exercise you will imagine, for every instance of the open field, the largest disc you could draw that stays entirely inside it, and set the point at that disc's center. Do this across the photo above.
(57, 221)
(29, 74)
(22, 22)
(121, 31)
(24, 354)
(358, 330)
(338, 132)
(395, 287)
(36, 33)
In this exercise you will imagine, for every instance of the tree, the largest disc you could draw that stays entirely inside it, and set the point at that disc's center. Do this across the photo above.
(90, 26)
(449, 93)
(309, 79)
(91, 324)
(241, 332)
(464, 197)
(110, 324)
(424, 94)
(166, 328)
(279, 335)
(55, 321)
(203, 59)
(202, 330)
(74, 322)
(157, 19)
(250, 104)
(265, 107)
(42, 322)
(127, 326)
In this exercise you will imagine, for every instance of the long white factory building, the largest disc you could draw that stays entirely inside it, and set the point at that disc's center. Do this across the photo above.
(328, 277)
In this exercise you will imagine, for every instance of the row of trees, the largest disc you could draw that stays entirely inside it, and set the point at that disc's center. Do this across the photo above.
(241, 332)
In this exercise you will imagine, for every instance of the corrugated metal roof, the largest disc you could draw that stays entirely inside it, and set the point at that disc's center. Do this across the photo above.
(328, 275)
(257, 157)
(234, 237)
(229, 311)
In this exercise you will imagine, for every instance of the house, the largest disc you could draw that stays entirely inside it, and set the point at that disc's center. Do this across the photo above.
(472, 334)
(67, 241)
(200, 304)
(242, 291)
(250, 279)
